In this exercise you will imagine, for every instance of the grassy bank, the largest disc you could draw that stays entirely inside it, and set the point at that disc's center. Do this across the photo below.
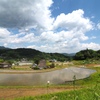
(90, 90)
(85, 89)
(92, 93)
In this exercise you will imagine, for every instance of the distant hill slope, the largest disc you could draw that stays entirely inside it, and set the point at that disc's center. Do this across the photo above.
(2, 47)
(29, 54)
(71, 54)
(87, 54)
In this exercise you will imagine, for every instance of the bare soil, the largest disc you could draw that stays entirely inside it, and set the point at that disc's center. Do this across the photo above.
(10, 94)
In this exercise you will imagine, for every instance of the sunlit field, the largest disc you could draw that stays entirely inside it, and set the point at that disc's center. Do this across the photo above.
(84, 89)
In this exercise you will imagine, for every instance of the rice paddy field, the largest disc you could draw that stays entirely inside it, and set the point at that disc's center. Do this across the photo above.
(86, 89)
(83, 89)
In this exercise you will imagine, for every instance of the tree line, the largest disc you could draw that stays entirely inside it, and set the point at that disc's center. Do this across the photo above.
(87, 54)
(30, 54)
(35, 55)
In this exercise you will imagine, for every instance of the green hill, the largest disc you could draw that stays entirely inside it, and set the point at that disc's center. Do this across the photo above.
(30, 54)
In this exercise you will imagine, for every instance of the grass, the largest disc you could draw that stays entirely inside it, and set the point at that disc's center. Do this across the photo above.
(92, 93)
(23, 67)
(90, 90)
(93, 79)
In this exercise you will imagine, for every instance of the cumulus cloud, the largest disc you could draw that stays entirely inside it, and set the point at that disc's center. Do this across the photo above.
(91, 46)
(38, 30)
(4, 33)
(7, 37)
(98, 25)
(74, 20)
(69, 47)
(25, 13)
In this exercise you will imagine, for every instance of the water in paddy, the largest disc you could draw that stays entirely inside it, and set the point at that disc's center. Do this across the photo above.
(55, 77)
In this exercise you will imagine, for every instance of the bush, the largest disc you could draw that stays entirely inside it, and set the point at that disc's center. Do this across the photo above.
(36, 68)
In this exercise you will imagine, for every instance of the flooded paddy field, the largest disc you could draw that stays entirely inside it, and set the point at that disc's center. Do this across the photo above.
(54, 77)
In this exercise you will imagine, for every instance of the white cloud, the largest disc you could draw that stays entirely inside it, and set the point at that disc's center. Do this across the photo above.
(24, 39)
(4, 33)
(38, 30)
(98, 25)
(5, 44)
(7, 37)
(74, 20)
(25, 13)
(92, 17)
(91, 45)
(4, 36)
(93, 37)
(66, 46)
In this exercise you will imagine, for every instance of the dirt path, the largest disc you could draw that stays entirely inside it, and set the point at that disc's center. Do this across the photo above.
(10, 94)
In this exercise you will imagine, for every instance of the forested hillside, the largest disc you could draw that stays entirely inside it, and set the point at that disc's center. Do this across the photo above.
(87, 54)
(30, 54)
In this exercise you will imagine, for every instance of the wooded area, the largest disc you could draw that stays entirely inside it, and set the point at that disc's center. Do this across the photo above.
(35, 55)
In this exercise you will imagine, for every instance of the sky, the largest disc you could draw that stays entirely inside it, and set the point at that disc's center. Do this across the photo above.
(62, 26)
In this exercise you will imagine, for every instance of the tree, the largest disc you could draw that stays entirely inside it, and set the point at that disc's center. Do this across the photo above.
(86, 54)
(1, 60)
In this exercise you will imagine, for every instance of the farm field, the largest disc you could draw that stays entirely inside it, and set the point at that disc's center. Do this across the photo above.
(80, 90)
(12, 93)
(49, 50)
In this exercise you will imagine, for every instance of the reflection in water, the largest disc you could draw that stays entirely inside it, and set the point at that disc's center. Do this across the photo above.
(55, 77)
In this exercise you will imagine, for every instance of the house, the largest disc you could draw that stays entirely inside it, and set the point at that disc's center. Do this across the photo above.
(5, 65)
(42, 64)
(23, 62)
(53, 60)
(34, 66)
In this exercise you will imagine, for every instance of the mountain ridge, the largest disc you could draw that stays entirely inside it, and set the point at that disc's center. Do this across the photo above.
(30, 54)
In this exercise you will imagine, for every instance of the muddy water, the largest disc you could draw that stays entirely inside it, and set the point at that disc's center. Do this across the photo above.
(55, 77)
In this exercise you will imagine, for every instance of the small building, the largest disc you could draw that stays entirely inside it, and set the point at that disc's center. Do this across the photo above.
(23, 62)
(42, 64)
(34, 65)
(53, 60)
(20, 63)
(5, 65)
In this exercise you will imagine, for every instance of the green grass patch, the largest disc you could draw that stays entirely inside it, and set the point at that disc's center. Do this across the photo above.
(93, 79)
(90, 90)
(92, 93)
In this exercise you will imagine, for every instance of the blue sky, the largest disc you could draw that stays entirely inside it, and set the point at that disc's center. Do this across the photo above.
(64, 26)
